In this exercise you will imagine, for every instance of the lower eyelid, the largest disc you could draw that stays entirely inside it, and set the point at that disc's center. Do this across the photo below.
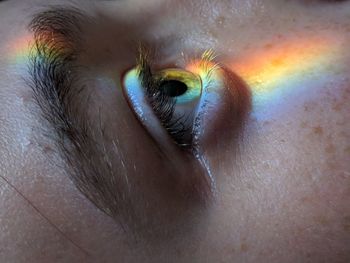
(136, 97)
(144, 112)
(181, 162)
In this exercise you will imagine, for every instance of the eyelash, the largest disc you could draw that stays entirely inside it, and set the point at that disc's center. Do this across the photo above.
(162, 104)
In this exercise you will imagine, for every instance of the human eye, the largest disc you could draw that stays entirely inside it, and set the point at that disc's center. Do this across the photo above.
(176, 104)
(167, 98)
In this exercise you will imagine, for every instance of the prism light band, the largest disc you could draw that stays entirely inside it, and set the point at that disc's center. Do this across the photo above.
(290, 68)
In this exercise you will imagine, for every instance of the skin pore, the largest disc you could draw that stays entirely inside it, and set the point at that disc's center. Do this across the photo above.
(282, 175)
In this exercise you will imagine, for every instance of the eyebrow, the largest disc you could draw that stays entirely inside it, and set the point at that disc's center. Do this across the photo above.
(54, 81)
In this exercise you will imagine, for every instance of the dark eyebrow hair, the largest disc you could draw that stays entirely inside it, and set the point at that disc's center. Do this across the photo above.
(55, 85)
(52, 65)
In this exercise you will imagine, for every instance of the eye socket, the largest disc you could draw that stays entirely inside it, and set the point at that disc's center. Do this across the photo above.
(167, 98)
(184, 110)
(171, 103)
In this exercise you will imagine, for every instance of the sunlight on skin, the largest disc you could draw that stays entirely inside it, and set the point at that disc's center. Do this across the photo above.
(287, 69)
(272, 73)
(283, 192)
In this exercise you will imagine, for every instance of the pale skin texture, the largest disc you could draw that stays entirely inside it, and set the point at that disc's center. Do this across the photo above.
(282, 185)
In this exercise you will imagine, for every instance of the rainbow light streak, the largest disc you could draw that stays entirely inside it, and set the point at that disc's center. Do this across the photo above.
(211, 76)
(21, 49)
(135, 91)
(277, 74)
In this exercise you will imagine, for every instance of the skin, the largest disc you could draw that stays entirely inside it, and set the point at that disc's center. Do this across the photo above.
(282, 181)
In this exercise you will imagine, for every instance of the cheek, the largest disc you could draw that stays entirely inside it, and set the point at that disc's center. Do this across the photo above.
(288, 166)
(291, 173)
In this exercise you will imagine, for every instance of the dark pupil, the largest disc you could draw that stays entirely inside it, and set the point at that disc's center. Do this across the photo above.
(173, 88)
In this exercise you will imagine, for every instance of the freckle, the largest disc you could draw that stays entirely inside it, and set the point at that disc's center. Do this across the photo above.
(47, 149)
(332, 165)
(220, 20)
(340, 123)
(246, 47)
(268, 46)
(305, 199)
(347, 150)
(303, 124)
(244, 247)
(345, 94)
(213, 33)
(27, 97)
(347, 191)
(308, 255)
(108, 51)
(337, 107)
(330, 148)
(344, 134)
(308, 106)
(318, 130)
(322, 220)
(250, 187)
(347, 223)
(308, 175)
(300, 230)
(178, 251)
(230, 250)
(347, 90)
